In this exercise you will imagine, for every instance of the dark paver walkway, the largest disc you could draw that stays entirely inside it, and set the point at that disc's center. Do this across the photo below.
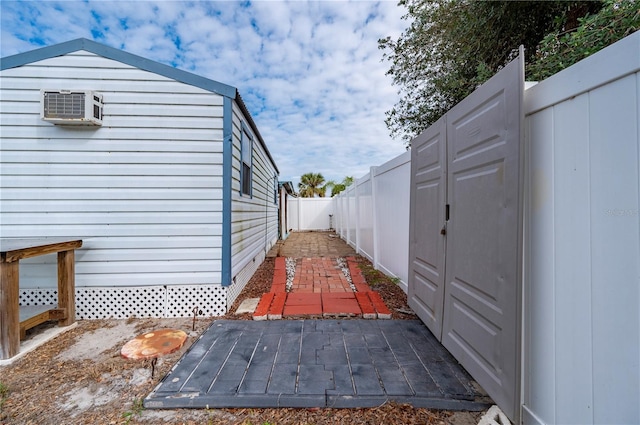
(317, 363)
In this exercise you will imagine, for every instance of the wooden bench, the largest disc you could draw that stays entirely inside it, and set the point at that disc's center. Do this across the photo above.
(16, 320)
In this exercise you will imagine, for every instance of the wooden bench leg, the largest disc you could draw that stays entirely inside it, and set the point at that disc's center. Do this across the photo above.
(9, 310)
(67, 286)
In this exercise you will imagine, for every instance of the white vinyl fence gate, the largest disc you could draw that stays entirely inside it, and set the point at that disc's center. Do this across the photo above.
(465, 255)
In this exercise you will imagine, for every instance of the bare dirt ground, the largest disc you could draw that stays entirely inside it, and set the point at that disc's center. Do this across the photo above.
(80, 377)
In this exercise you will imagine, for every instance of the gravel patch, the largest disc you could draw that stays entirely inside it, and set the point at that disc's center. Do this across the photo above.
(290, 264)
(344, 266)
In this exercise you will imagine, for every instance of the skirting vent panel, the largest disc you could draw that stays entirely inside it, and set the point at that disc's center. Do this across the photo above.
(120, 303)
(210, 300)
(28, 297)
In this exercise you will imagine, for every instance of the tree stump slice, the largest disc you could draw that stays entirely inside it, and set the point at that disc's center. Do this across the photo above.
(154, 344)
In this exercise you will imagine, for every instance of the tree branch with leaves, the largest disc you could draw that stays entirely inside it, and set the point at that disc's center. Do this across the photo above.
(452, 46)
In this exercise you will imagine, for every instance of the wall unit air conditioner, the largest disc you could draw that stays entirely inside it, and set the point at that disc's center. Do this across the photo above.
(71, 107)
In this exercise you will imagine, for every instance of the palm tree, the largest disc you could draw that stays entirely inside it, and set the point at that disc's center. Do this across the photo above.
(347, 181)
(336, 188)
(311, 184)
(331, 184)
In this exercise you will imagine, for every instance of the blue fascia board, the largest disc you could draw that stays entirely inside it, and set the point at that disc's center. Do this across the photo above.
(120, 56)
(227, 162)
(287, 185)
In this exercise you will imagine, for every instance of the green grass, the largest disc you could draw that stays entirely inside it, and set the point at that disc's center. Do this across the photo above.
(4, 394)
(375, 277)
(136, 410)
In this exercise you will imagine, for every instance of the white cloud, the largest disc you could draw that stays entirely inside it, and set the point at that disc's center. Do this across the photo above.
(310, 72)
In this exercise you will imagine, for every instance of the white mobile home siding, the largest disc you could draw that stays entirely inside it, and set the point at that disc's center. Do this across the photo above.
(143, 191)
(254, 223)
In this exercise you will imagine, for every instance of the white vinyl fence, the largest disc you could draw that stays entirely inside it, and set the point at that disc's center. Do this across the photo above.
(372, 215)
(310, 214)
(581, 283)
(582, 242)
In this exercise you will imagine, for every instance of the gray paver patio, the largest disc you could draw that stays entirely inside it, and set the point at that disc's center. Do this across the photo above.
(317, 363)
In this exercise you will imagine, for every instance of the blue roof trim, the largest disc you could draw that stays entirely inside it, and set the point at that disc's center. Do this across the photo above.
(120, 56)
(227, 162)
(288, 186)
(138, 62)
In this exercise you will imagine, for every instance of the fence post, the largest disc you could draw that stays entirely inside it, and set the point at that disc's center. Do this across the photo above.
(374, 204)
(337, 214)
(348, 217)
(299, 213)
(357, 218)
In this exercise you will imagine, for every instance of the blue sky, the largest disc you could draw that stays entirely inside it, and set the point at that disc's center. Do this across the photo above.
(310, 73)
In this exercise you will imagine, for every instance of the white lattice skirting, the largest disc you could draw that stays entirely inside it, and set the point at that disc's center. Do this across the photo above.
(143, 301)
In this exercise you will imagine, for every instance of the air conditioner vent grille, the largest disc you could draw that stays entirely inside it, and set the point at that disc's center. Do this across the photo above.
(64, 105)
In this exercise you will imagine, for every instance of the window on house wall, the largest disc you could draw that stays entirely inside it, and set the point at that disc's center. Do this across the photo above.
(275, 189)
(246, 154)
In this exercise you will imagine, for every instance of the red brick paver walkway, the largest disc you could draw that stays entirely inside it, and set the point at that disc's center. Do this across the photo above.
(320, 288)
